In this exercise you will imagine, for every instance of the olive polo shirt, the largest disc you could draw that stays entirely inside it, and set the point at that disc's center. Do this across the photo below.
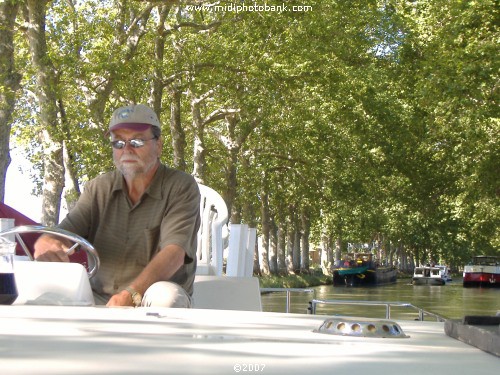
(127, 236)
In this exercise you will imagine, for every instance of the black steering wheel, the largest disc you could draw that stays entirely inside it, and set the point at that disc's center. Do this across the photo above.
(80, 243)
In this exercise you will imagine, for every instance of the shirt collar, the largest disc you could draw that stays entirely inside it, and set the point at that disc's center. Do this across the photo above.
(154, 190)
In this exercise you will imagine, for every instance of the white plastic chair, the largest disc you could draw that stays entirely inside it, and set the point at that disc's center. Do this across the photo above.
(212, 289)
(214, 216)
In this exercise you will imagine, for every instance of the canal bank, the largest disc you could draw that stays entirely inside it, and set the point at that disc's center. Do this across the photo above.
(306, 280)
(295, 281)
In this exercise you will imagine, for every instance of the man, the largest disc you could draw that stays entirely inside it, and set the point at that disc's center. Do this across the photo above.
(142, 218)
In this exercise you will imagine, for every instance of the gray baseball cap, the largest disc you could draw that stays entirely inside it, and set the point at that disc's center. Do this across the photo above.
(136, 116)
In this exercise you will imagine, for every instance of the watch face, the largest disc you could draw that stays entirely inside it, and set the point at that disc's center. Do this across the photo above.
(135, 295)
(137, 299)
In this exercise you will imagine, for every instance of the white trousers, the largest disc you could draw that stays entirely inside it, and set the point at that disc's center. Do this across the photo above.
(160, 294)
(166, 294)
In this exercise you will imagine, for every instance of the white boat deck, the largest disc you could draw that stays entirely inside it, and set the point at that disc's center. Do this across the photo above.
(82, 340)
(36, 338)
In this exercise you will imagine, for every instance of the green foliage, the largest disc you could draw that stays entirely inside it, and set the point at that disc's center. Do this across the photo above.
(380, 118)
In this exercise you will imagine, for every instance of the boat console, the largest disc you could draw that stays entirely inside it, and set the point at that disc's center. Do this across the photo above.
(52, 283)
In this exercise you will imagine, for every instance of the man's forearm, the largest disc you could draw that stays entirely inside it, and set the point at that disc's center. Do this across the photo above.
(161, 268)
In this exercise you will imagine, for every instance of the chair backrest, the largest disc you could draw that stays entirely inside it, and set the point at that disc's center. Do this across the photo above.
(226, 293)
(214, 217)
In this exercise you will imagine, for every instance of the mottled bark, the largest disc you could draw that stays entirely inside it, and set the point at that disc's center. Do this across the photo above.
(233, 139)
(304, 236)
(290, 245)
(326, 253)
(199, 162)
(256, 261)
(294, 237)
(296, 250)
(158, 85)
(9, 84)
(233, 147)
(265, 222)
(71, 186)
(338, 248)
(273, 248)
(53, 169)
(176, 130)
(281, 250)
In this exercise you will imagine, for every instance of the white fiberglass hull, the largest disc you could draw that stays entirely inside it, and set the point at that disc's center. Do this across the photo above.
(78, 340)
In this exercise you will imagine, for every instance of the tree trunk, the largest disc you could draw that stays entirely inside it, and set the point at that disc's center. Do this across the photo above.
(338, 249)
(229, 194)
(290, 245)
(71, 187)
(294, 234)
(176, 130)
(273, 248)
(281, 250)
(198, 143)
(198, 127)
(9, 84)
(232, 140)
(256, 262)
(126, 38)
(296, 250)
(159, 52)
(304, 253)
(53, 167)
(266, 228)
(326, 258)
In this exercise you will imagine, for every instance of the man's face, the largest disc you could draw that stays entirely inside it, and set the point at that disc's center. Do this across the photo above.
(134, 162)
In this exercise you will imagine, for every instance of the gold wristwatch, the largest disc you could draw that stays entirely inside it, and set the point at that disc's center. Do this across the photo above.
(136, 296)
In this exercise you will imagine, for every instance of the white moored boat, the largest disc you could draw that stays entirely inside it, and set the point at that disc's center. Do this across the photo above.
(483, 271)
(430, 275)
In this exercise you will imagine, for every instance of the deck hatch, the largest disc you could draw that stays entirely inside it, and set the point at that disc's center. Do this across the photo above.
(342, 326)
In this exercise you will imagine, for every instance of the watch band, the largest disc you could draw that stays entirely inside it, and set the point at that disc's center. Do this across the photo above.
(136, 296)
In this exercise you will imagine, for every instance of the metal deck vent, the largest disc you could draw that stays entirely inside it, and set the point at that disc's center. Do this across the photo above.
(361, 328)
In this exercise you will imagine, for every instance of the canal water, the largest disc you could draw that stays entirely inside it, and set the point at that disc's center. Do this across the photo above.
(451, 301)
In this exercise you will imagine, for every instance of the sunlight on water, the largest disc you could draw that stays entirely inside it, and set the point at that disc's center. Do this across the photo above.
(450, 301)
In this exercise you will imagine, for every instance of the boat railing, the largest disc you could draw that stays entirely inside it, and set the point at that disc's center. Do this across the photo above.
(288, 292)
(421, 312)
(312, 309)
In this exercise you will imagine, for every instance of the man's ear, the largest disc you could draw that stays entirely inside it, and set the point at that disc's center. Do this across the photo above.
(160, 144)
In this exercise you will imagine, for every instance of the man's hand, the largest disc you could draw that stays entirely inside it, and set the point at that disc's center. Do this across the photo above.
(162, 267)
(51, 249)
(120, 299)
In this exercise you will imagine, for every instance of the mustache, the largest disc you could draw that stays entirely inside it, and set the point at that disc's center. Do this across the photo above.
(126, 158)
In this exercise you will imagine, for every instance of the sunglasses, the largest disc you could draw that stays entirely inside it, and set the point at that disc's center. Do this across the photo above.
(135, 143)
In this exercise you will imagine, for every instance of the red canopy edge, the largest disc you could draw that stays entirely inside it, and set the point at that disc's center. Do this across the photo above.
(30, 238)
(20, 219)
